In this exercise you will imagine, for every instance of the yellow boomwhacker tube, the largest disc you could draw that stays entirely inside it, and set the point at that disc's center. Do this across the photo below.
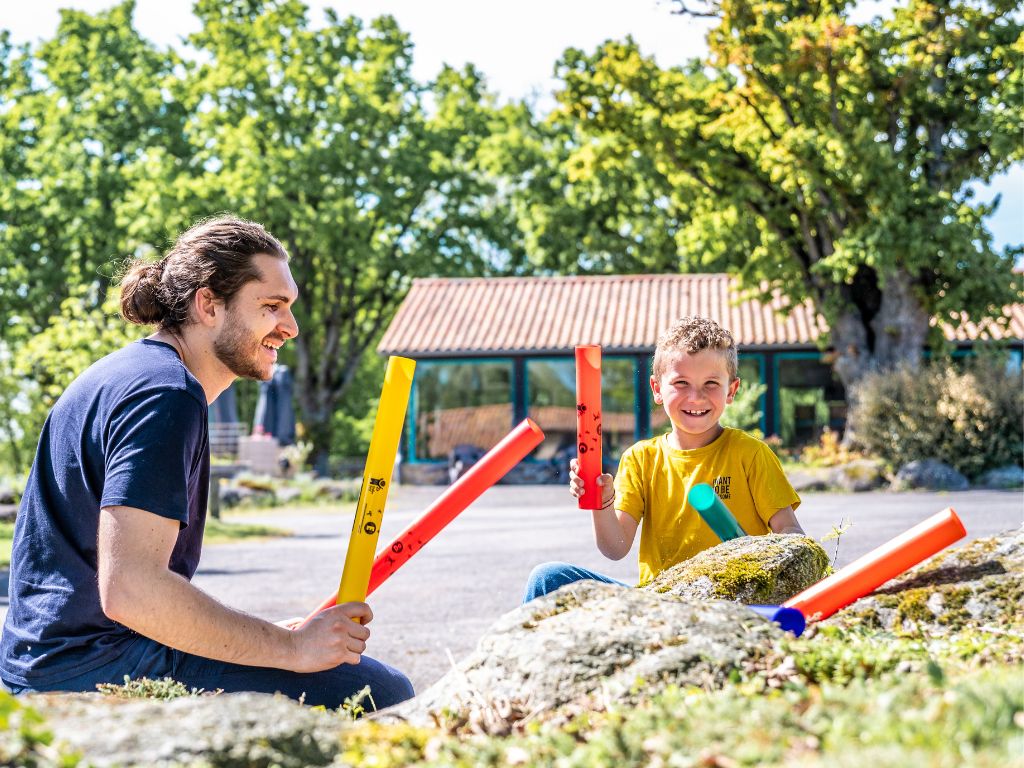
(380, 463)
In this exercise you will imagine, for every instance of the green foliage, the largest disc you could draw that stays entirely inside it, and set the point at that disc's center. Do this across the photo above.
(911, 720)
(353, 706)
(25, 739)
(968, 417)
(745, 411)
(223, 532)
(76, 113)
(109, 146)
(829, 451)
(814, 156)
(77, 334)
(6, 541)
(366, 175)
(146, 688)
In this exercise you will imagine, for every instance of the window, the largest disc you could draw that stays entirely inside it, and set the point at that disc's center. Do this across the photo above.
(467, 404)
(810, 398)
(551, 400)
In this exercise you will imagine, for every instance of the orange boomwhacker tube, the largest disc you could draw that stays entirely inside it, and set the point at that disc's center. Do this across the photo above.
(867, 573)
(588, 422)
(495, 464)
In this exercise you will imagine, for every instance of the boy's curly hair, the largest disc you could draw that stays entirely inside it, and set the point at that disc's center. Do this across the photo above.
(695, 334)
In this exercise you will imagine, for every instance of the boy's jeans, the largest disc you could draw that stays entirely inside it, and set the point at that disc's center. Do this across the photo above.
(547, 577)
(330, 688)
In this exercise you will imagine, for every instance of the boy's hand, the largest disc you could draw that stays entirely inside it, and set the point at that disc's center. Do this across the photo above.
(604, 481)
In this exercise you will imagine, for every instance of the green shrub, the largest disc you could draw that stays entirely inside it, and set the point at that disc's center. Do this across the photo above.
(745, 410)
(969, 417)
(147, 688)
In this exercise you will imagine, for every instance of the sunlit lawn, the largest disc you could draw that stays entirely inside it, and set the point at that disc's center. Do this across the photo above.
(224, 531)
(6, 535)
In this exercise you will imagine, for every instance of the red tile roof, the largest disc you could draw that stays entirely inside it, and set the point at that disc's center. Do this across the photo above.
(444, 317)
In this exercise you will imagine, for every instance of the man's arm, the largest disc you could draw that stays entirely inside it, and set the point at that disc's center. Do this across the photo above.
(138, 590)
(784, 521)
(614, 530)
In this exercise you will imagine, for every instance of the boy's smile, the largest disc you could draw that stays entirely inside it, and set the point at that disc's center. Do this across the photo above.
(694, 390)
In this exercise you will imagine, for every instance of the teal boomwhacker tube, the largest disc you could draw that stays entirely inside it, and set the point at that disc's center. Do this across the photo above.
(790, 619)
(715, 513)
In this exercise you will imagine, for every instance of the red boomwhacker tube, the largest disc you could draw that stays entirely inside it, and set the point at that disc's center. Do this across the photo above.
(868, 572)
(495, 464)
(588, 422)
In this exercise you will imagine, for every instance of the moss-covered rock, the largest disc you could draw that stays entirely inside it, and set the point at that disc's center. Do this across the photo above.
(979, 585)
(754, 570)
(244, 730)
(589, 643)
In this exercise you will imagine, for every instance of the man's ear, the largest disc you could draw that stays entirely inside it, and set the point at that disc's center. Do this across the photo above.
(206, 307)
(734, 385)
(656, 389)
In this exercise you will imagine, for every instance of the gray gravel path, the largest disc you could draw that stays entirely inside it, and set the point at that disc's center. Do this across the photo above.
(444, 598)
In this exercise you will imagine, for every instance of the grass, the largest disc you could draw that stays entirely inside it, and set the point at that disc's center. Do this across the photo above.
(217, 532)
(6, 537)
(223, 532)
(895, 721)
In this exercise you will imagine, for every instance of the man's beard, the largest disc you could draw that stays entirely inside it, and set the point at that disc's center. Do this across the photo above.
(235, 348)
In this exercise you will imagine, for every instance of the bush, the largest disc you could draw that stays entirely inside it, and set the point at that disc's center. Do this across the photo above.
(745, 411)
(969, 418)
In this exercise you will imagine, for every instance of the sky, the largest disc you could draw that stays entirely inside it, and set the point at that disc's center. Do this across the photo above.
(514, 44)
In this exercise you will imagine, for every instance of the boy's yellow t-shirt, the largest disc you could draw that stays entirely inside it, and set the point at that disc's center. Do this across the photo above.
(654, 480)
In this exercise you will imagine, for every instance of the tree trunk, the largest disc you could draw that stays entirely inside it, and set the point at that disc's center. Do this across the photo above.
(869, 338)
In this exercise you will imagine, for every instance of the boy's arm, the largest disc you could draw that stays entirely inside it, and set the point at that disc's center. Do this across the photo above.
(784, 521)
(614, 530)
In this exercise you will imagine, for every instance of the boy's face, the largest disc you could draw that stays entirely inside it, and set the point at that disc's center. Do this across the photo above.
(694, 390)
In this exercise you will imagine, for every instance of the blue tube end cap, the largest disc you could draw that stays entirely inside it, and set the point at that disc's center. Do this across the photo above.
(790, 619)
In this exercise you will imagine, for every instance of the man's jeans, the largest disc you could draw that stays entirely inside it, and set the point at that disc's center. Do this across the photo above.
(548, 577)
(330, 688)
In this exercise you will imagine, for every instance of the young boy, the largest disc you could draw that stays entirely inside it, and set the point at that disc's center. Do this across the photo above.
(695, 378)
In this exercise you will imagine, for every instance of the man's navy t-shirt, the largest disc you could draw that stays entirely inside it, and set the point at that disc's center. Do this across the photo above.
(130, 431)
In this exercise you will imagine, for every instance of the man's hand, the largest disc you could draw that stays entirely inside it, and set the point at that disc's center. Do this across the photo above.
(606, 483)
(332, 637)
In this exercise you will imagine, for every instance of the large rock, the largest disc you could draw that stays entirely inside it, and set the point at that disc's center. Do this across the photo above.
(1010, 476)
(859, 475)
(586, 645)
(929, 475)
(243, 729)
(755, 570)
(979, 585)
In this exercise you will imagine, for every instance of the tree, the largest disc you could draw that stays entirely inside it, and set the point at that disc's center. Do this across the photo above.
(827, 159)
(573, 201)
(369, 177)
(84, 328)
(75, 114)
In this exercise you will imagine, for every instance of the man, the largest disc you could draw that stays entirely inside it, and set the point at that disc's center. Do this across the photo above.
(110, 527)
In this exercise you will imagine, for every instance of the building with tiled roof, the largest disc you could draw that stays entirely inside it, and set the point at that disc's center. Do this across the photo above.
(492, 351)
